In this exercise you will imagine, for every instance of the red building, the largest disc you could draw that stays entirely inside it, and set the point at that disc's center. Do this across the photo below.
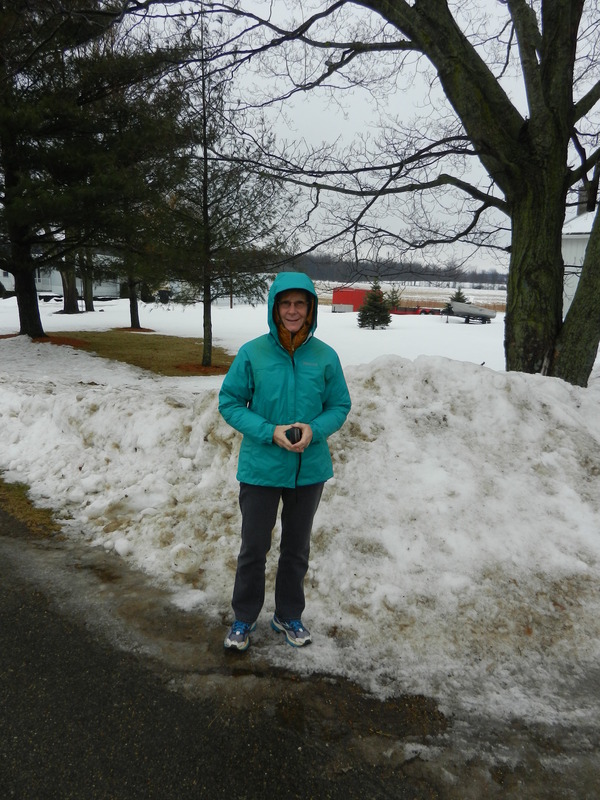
(352, 300)
(348, 299)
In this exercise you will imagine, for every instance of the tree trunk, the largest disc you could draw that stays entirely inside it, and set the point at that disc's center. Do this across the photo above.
(207, 314)
(134, 312)
(207, 274)
(70, 298)
(527, 158)
(27, 303)
(577, 344)
(88, 292)
(535, 280)
(86, 270)
(23, 267)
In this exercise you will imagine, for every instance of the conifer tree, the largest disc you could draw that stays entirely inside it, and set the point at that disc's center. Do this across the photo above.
(374, 312)
(65, 159)
(393, 298)
(459, 296)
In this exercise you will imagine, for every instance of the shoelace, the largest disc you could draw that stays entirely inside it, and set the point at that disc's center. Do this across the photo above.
(240, 627)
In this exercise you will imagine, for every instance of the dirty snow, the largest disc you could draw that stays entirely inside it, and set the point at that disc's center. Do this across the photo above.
(456, 553)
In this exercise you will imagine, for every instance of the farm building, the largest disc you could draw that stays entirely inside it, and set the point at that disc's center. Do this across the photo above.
(350, 299)
(49, 285)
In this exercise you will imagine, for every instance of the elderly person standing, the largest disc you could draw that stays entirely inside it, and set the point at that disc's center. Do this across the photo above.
(286, 393)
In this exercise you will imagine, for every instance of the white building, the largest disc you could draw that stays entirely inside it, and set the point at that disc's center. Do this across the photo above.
(49, 285)
(575, 236)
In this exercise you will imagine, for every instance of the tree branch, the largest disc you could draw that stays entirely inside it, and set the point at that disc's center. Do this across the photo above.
(529, 44)
(587, 102)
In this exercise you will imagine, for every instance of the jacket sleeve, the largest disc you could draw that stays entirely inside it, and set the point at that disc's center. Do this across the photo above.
(236, 392)
(336, 403)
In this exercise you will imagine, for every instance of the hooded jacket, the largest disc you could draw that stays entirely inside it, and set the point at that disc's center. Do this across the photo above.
(267, 386)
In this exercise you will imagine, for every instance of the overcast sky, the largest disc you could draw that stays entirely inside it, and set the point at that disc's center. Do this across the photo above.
(323, 116)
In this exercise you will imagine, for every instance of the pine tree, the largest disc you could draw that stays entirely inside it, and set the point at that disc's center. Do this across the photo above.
(70, 132)
(459, 297)
(374, 312)
(393, 297)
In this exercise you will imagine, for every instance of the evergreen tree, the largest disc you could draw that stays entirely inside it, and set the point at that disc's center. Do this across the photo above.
(37, 107)
(459, 296)
(374, 312)
(393, 298)
(64, 163)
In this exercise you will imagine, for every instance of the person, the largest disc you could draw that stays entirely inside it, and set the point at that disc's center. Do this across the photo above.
(282, 385)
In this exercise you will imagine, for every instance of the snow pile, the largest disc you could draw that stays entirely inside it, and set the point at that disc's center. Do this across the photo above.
(456, 553)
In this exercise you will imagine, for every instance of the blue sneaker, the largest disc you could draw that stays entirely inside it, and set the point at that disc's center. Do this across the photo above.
(295, 632)
(238, 637)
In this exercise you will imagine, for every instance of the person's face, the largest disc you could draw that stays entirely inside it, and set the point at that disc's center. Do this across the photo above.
(293, 310)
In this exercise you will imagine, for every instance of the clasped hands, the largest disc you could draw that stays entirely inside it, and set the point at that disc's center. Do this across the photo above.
(279, 437)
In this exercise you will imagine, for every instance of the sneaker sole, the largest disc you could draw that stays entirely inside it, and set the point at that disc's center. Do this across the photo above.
(280, 629)
(237, 647)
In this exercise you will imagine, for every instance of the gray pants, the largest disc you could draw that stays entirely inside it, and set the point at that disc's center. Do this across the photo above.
(259, 506)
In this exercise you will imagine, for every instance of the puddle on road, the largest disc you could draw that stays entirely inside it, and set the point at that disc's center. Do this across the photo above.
(451, 758)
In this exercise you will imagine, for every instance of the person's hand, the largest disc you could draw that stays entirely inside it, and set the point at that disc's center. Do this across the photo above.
(279, 437)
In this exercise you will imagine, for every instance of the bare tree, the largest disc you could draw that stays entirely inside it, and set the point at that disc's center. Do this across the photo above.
(229, 221)
(533, 151)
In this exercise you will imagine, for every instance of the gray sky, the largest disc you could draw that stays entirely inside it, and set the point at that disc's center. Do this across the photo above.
(323, 116)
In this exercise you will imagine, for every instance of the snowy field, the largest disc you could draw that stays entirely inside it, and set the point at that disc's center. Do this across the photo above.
(456, 553)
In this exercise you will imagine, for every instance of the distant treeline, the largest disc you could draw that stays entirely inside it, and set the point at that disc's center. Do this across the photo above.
(329, 268)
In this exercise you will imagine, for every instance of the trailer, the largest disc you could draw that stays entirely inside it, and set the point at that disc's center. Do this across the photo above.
(468, 312)
(403, 310)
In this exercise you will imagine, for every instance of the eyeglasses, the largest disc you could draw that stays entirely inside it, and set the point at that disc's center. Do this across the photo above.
(287, 305)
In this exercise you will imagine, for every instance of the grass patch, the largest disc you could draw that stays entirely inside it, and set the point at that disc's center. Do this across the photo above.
(15, 501)
(164, 355)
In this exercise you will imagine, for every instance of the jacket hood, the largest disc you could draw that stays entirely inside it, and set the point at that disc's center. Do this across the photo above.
(283, 283)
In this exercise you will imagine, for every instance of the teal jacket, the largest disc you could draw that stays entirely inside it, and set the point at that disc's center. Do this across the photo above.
(266, 386)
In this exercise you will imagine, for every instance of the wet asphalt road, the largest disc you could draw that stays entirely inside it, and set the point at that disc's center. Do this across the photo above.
(108, 692)
(82, 718)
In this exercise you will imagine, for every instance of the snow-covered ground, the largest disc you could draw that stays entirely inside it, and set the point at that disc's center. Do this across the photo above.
(456, 553)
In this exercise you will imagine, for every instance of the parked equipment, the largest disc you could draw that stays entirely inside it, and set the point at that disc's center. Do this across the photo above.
(468, 312)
